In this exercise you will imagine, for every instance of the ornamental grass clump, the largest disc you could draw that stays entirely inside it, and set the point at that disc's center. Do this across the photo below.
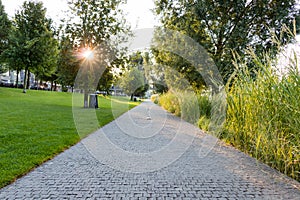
(263, 116)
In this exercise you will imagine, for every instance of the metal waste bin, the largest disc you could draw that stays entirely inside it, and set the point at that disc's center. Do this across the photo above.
(93, 101)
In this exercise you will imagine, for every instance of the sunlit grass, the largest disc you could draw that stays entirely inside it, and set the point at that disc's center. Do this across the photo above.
(263, 117)
(263, 114)
(38, 125)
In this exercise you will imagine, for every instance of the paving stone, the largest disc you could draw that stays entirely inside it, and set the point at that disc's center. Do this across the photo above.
(224, 173)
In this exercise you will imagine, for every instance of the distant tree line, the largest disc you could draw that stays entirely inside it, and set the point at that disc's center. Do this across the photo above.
(30, 42)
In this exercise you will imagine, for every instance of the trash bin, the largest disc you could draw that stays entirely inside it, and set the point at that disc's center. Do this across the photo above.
(93, 101)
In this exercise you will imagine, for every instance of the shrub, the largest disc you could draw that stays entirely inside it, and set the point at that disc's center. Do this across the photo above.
(188, 105)
(154, 98)
(170, 102)
(203, 123)
(204, 105)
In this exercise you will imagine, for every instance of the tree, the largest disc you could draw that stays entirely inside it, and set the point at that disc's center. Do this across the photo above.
(32, 44)
(47, 68)
(106, 81)
(13, 53)
(3, 68)
(95, 25)
(5, 27)
(225, 26)
(132, 82)
(68, 64)
(154, 73)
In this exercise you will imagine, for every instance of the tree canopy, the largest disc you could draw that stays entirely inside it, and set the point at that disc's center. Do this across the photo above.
(68, 64)
(133, 82)
(5, 27)
(32, 45)
(91, 26)
(223, 27)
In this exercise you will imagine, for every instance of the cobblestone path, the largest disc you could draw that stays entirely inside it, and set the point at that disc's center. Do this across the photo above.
(117, 162)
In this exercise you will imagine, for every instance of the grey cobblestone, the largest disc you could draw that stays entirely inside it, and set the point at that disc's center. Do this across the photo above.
(225, 173)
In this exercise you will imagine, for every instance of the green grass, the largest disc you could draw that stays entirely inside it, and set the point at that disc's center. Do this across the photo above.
(187, 105)
(38, 125)
(263, 117)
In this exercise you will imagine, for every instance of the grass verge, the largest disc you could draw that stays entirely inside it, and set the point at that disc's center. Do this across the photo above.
(38, 125)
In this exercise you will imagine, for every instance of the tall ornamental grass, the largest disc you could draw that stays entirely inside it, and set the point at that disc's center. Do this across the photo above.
(262, 112)
(263, 116)
(170, 102)
(192, 107)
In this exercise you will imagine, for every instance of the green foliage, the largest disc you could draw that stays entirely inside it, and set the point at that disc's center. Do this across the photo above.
(13, 54)
(3, 68)
(96, 22)
(5, 27)
(170, 102)
(263, 117)
(68, 64)
(175, 80)
(160, 88)
(31, 43)
(225, 26)
(40, 125)
(204, 123)
(187, 105)
(154, 98)
(36, 36)
(132, 82)
(94, 25)
(156, 74)
(204, 105)
(170, 67)
(106, 81)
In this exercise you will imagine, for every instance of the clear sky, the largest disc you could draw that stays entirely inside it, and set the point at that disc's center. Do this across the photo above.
(137, 11)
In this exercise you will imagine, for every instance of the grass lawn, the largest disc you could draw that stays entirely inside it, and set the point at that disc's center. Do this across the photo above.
(38, 125)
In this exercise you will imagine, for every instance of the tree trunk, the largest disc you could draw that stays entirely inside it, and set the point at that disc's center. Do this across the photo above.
(37, 83)
(85, 90)
(25, 81)
(51, 89)
(86, 99)
(131, 97)
(17, 83)
(28, 79)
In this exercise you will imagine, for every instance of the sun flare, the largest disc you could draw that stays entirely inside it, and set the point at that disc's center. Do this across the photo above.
(88, 54)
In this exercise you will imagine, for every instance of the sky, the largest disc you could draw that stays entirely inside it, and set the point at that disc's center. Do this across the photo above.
(137, 12)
